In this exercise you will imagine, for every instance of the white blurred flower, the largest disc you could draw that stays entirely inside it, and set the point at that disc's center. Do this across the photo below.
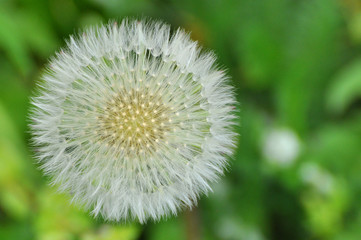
(317, 177)
(230, 228)
(133, 121)
(281, 146)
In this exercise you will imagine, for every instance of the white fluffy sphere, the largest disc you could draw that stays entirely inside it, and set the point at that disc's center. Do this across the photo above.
(281, 146)
(133, 121)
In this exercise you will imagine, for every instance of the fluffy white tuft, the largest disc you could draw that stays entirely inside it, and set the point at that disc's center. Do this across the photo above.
(133, 121)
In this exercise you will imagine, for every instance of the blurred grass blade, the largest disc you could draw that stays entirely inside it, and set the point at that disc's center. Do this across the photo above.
(345, 88)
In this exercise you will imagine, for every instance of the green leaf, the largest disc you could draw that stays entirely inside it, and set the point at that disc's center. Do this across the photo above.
(37, 33)
(311, 56)
(345, 88)
(12, 43)
(261, 41)
(15, 199)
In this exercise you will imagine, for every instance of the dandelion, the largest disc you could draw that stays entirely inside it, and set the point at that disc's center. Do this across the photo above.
(133, 121)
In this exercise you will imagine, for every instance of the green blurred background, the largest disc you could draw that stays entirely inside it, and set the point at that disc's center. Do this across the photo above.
(296, 67)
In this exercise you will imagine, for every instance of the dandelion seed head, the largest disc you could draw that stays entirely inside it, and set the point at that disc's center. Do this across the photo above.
(132, 121)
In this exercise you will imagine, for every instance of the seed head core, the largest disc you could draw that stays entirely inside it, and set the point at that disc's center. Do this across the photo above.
(135, 120)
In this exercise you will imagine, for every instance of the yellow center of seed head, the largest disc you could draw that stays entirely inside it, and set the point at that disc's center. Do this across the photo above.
(133, 124)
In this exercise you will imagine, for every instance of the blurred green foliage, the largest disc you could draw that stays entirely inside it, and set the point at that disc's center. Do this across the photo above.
(296, 67)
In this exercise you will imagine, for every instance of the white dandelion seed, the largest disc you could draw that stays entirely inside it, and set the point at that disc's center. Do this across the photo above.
(133, 121)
